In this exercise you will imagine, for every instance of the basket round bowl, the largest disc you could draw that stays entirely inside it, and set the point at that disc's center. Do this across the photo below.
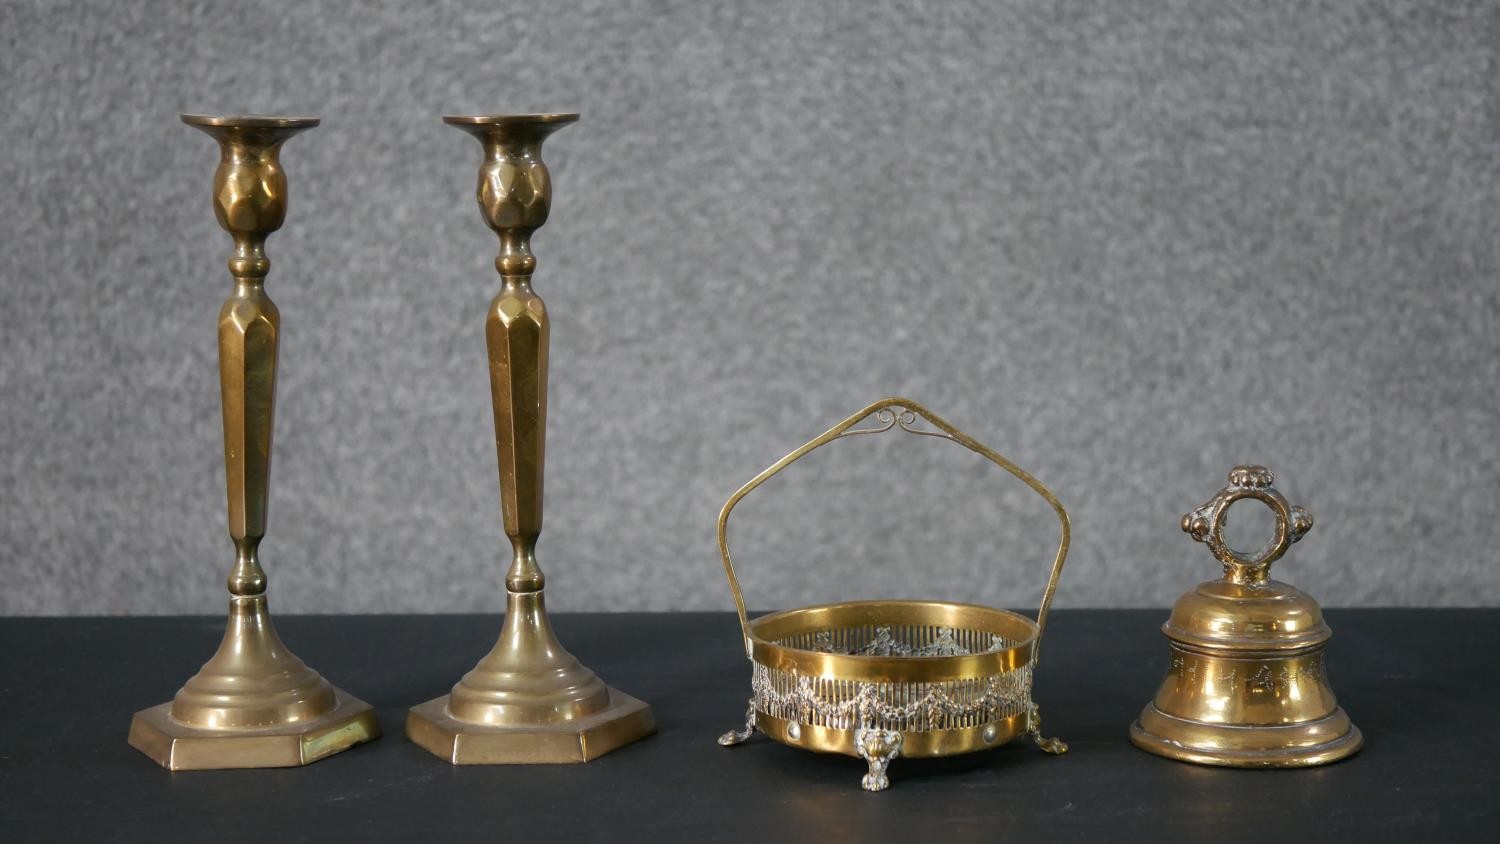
(882, 679)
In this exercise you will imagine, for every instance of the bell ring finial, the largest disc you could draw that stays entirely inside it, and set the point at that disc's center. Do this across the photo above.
(1206, 524)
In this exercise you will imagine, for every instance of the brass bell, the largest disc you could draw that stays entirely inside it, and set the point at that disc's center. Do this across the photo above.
(1246, 686)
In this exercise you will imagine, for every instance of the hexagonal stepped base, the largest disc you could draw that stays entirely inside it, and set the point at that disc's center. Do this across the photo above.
(179, 747)
(464, 743)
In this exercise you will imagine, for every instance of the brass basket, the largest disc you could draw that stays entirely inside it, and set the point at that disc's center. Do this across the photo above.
(878, 679)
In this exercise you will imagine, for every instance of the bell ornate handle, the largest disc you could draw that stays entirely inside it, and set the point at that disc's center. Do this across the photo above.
(1206, 524)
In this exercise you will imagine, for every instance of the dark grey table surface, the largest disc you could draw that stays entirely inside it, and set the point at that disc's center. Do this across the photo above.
(1424, 685)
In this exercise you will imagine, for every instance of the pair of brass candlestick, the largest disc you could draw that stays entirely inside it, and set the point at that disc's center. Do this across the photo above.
(255, 704)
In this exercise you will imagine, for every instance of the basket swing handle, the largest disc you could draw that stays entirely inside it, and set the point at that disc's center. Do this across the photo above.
(893, 413)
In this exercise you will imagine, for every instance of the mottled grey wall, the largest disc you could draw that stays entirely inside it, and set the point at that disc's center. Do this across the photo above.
(1128, 244)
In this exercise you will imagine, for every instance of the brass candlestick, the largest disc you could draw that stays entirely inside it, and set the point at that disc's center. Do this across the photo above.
(528, 700)
(254, 704)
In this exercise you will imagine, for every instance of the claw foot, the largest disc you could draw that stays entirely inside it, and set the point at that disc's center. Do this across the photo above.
(1055, 746)
(877, 747)
(734, 737)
